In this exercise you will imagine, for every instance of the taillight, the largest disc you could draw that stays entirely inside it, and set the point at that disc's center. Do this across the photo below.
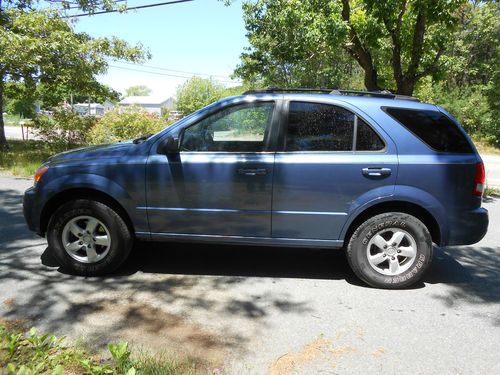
(479, 180)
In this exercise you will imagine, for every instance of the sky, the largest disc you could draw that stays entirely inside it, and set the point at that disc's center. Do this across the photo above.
(203, 36)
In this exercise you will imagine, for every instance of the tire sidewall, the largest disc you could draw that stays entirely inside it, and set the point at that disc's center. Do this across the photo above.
(357, 250)
(121, 241)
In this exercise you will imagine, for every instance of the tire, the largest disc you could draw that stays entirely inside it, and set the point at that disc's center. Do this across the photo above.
(403, 261)
(103, 244)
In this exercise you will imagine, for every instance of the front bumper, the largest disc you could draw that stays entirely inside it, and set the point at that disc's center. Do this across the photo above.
(31, 210)
(468, 227)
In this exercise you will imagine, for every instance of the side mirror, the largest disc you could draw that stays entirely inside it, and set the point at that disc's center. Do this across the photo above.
(169, 146)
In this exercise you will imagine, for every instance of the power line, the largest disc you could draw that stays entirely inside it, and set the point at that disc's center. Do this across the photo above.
(172, 70)
(131, 8)
(162, 74)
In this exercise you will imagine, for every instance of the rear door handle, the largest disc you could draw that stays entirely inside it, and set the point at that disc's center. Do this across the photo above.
(252, 171)
(376, 172)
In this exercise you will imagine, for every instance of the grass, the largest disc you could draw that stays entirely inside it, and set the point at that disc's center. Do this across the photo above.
(490, 191)
(24, 157)
(12, 120)
(26, 352)
(485, 149)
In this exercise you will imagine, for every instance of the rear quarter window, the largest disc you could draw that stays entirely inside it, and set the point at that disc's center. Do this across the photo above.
(434, 128)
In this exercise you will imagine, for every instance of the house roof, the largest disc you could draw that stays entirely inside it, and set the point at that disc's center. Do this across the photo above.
(145, 100)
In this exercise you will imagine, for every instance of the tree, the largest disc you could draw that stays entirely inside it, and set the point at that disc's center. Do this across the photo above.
(197, 93)
(139, 90)
(39, 48)
(305, 36)
(291, 47)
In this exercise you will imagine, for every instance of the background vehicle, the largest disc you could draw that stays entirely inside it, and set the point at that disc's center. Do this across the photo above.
(382, 176)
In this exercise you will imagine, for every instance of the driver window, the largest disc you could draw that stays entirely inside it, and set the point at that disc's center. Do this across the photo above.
(235, 129)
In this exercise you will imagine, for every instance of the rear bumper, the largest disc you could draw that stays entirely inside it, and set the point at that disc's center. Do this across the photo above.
(469, 227)
(31, 210)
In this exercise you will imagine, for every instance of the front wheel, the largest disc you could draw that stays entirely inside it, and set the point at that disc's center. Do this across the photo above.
(391, 250)
(88, 237)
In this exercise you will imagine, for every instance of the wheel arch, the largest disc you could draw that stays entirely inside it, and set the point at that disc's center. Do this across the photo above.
(397, 206)
(82, 193)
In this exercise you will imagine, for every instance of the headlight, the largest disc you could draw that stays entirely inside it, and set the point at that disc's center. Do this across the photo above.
(40, 172)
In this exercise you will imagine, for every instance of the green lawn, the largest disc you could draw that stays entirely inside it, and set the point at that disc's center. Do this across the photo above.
(11, 120)
(24, 157)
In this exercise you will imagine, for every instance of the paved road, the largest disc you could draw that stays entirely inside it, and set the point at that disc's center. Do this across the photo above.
(263, 310)
(492, 164)
(15, 132)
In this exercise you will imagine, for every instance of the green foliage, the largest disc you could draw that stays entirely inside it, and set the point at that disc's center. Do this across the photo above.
(139, 90)
(64, 127)
(315, 43)
(123, 124)
(33, 353)
(41, 50)
(197, 93)
(291, 45)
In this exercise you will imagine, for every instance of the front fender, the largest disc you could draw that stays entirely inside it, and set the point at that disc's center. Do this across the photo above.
(100, 183)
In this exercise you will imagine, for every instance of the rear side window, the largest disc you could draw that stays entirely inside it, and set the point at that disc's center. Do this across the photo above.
(434, 128)
(319, 127)
(325, 127)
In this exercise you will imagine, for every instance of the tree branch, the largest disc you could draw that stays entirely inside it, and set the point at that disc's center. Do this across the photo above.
(358, 52)
(395, 33)
(433, 66)
(418, 43)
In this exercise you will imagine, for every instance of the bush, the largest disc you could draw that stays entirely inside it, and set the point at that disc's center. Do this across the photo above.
(65, 127)
(125, 123)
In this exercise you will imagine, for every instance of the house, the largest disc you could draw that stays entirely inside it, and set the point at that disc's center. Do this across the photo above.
(148, 103)
(86, 109)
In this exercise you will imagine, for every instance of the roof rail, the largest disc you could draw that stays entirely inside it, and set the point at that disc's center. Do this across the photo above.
(271, 90)
(376, 94)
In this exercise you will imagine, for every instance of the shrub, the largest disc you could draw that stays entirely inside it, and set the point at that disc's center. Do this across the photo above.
(125, 123)
(64, 127)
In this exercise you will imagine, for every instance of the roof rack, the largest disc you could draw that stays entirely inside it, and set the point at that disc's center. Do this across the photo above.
(271, 90)
(376, 94)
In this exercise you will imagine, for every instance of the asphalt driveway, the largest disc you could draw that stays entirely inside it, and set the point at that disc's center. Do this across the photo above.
(263, 310)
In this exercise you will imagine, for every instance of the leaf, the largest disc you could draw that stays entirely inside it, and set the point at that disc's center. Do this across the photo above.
(58, 370)
(119, 351)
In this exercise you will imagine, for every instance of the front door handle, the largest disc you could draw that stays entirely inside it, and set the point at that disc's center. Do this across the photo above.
(252, 171)
(376, 172)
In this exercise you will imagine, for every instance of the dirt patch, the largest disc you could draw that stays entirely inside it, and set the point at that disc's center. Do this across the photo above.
(16, 325)
(153, 330)
(320, 348)
(379, 352)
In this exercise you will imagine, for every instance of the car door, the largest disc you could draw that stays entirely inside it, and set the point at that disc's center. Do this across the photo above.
(220, 182)
(331, 160)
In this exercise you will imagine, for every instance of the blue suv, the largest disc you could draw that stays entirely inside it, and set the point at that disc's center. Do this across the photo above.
(382, 176)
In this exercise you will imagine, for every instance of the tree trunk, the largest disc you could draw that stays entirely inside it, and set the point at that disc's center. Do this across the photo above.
(359, 52)
(406, 86)
(3, 140)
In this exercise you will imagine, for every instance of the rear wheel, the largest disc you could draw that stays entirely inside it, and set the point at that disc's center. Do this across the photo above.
(391, 250)
(89, 238)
